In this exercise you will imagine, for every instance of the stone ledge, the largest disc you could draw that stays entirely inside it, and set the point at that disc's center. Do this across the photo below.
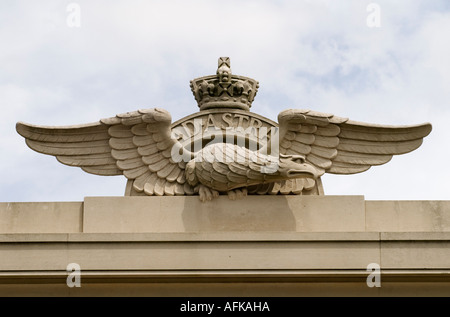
(224, 251)
(253, 213)
(408, 215)
(223, 236)
(208, 276)
(303, 283)
(190, 237)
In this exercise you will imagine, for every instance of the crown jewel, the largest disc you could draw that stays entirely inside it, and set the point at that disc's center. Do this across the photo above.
(224, 90)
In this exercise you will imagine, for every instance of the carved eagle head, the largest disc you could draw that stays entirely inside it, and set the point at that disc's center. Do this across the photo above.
(295, 166)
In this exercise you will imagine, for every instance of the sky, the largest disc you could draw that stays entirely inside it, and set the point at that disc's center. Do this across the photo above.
(66, 63)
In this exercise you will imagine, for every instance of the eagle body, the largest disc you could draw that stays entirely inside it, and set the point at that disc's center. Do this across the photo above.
(225, 166)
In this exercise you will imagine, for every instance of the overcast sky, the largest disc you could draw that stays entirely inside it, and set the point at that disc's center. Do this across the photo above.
(328, 56)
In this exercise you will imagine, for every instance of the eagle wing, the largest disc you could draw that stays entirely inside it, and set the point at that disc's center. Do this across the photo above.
(135, 144)
(341, 146)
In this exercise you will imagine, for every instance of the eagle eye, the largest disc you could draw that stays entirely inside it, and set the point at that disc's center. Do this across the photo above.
(298, 159)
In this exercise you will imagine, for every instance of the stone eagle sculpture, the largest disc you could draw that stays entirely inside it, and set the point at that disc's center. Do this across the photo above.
(159, 157)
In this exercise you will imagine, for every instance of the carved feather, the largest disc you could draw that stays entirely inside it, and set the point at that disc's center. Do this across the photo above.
(298, 186)
(371, 132)
(103, 170)
(285, 143)
(324, 152)
(309, 183)
(135, 172)
(221, 178)
(125, 154)
(264, 188)
(305, 138)
(220, 167)
(148, 149)
(87, 160)
(237, 178)
(140, 181)
(237, 168)
(255, 167)
(173, 175)
(131, 121)
(130, 163)
(300, 148)
(139, 129)
(79, 133)
(373, 147)
(120, 131)
(326, 141)
(188, 189)
(181, 179)
(159, 187)
(362, 158)
(319, 161)
(153, 159)
(121, 143)
(276, 187)
(287, 187)
(347, 168)
(155, 167)
(167, 153)
(74, 148)
(143, 140)
(254, 175)
(129, 114)
(164, 144)
(290, 135)
(329, 130)
(169, 188)
(179, 189)
(149, 185)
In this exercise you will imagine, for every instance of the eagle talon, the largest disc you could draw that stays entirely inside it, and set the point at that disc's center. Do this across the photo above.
(206, 193)
(237, 193)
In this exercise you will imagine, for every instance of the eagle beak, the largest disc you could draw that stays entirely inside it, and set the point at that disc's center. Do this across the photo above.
(303, 171)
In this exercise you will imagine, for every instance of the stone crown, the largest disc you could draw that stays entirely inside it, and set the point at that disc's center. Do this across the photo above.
(224, 90)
